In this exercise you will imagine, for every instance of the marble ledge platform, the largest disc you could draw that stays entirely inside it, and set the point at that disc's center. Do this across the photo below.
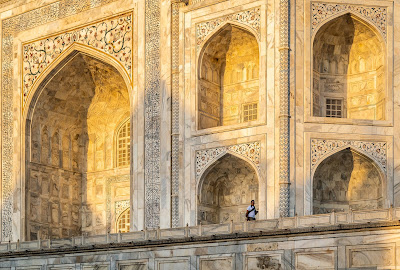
(283, 227)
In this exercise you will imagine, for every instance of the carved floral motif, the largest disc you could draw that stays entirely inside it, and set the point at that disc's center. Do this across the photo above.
(320, 149)
(121, 206)
(249, 17)
(204, 158)
(321, 12)
(113, 37)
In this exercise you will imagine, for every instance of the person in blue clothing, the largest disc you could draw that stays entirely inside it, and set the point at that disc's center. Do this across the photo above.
(251, 211)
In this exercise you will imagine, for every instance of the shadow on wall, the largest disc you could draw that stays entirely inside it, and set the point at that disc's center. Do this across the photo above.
(347, 180)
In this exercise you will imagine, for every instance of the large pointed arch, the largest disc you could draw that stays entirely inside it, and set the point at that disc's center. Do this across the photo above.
(348, 80)
(348, 179)
(225, 189)
(221, 79)
(81, 61)
(353, 14)
(54, 67)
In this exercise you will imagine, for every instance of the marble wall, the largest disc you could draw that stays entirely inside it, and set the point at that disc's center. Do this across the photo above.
(243, 31)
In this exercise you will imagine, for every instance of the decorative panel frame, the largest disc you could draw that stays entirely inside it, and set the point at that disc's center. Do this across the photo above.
(251, 17)
(178, 260)
(229, 257)
(140, 262)
(319, 146)
(17, 30)
(251, 149)
(266, 259)
(212, 16)
(380, 16)
(326, 255)
(387, 262)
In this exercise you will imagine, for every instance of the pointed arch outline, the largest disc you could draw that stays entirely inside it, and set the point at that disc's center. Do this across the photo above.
(118, 218)
(28, 107)
(225, 150)
(214, 161)
(204, 44)
(201, 48)
(365, 21)
(210, 166)
(61, 61)
(378, 33)
(376, 162)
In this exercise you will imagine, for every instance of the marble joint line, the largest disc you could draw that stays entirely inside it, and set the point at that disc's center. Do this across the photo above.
(11, 27)
(250, 18)
(112, 36)
(152, 114)
(322, 12)
(284, 98)
(204, 158)
(321, 149)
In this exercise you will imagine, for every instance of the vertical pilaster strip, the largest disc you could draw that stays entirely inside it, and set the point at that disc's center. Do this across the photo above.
(284, 117)
(152, 121)
(175, 114)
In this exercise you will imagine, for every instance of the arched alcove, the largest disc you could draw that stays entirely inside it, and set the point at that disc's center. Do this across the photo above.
(69, 148)
(349, 71)
(226, 189)
(228, 86)
(347, 180)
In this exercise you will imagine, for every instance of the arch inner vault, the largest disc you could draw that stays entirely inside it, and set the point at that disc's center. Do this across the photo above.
(70, 150)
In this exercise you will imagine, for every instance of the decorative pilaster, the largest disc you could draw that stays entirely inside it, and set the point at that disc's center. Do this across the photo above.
(284, 117)
(175, 113)
(152, 122)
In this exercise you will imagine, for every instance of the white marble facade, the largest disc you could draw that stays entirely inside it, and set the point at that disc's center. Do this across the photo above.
(156, 47)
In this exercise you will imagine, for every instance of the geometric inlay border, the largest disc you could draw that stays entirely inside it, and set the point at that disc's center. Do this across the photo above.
(251, 18)
(251, 151)
(321, 12)
(321, 148)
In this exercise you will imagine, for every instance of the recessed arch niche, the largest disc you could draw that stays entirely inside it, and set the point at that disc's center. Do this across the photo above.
(347, 180)
(349, 70)
(69, 148)
(228, 78)
(226, 189)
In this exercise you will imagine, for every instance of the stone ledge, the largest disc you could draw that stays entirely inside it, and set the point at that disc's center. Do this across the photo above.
(279, 233)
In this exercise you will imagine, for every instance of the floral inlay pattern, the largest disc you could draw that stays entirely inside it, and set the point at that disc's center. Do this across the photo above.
(113, 37)
(320, 149)
(321, 12)
(121, 206)
(249, 17)
(250, 151)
